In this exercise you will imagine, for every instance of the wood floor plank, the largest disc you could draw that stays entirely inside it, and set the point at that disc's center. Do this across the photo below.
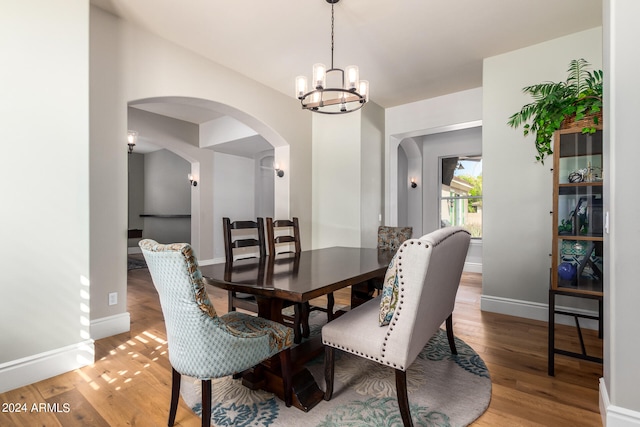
(72, 409)
(541, 410)
(129, 383)
(18, 408)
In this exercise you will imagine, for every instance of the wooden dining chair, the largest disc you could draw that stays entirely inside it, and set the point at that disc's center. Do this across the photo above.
(202, 344)
(281, 232)
(418, 296)
(283, 236)
(243, 239)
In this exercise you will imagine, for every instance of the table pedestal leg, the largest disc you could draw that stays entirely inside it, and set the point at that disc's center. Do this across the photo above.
(268, 375)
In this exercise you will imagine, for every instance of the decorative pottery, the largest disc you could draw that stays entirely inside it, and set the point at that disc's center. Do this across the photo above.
(577, 176)
(567, 271)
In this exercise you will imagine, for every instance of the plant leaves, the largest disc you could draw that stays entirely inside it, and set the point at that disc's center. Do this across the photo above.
(579, 95)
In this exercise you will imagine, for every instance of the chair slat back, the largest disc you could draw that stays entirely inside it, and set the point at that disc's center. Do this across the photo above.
(243, 235)
(283, 231)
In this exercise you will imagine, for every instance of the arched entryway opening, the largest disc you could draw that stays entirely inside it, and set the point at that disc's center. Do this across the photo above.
(226, 151)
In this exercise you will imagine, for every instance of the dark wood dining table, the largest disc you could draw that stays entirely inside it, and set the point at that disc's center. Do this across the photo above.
(296, 278)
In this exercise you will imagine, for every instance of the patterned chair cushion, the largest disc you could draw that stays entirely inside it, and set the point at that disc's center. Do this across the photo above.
(392, 237)
(247, 326)
(390, 292)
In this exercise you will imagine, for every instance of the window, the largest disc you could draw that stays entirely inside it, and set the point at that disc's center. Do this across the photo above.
(461, 193)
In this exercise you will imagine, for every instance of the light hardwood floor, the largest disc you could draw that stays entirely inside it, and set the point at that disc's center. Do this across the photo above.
(129, 383)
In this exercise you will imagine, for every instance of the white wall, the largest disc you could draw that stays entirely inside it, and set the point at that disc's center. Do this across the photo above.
(347, 177)
(44, 182)
(223, 129)
(129, 64)
(264, 187)
(621, 400)
(445, 113)
(410, 199)
(403, 188)
(517, 190)
(336, 180)
(371, 186)
(234, 189)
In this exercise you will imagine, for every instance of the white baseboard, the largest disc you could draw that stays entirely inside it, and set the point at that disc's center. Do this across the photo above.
(110, 325)
(472, 267)
(535, 311)
(28, 370)
(134, 250)
(615, 416)
(211, 261)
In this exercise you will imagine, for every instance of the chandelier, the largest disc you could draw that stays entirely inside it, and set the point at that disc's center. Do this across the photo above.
(348, 94)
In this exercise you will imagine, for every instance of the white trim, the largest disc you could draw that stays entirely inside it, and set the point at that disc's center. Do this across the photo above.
(473, 267)
(134, 250)
(211, 261)
(110, 325)
(615, 416)
(38, 367)
(534, 310)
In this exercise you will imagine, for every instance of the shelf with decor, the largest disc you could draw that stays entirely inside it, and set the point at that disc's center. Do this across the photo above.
(577, 248)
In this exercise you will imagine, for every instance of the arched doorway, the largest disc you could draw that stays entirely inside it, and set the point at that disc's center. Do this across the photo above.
(228, 157)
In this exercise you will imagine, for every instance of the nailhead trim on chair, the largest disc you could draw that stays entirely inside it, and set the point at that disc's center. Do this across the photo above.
(397, 311)
(393, 320)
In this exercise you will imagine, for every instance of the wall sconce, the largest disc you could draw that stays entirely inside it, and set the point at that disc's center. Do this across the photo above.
(192, 180)
(132, 138)
(414, 184)
(279, 171)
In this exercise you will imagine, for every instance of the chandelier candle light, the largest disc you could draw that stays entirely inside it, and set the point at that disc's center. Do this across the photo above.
(350, 96)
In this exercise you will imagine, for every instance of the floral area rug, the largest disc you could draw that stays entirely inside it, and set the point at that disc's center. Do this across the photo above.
(444, 390)
(135, 264)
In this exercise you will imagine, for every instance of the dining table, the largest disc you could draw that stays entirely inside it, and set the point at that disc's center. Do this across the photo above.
(297, 278)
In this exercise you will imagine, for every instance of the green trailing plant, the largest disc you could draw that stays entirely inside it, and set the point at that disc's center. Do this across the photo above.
(579, 96)
(565, 227)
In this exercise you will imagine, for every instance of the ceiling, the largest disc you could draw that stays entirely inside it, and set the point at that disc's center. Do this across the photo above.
(409, 50)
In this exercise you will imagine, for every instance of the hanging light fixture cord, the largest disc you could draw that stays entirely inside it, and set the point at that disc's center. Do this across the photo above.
(332, 26)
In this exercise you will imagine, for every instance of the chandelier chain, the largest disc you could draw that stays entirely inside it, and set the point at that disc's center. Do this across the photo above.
(332, 25)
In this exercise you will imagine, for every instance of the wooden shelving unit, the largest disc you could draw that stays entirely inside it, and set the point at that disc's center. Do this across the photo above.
(577, 249)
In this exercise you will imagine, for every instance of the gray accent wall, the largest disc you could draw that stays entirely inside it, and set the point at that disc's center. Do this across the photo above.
(167, 191)
(135, 196)
(434, 147)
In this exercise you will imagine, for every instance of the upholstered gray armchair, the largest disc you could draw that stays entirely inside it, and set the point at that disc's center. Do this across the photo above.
(418, 296)
(202, 344)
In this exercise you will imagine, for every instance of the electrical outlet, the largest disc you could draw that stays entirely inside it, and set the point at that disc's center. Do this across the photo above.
(113, 298)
